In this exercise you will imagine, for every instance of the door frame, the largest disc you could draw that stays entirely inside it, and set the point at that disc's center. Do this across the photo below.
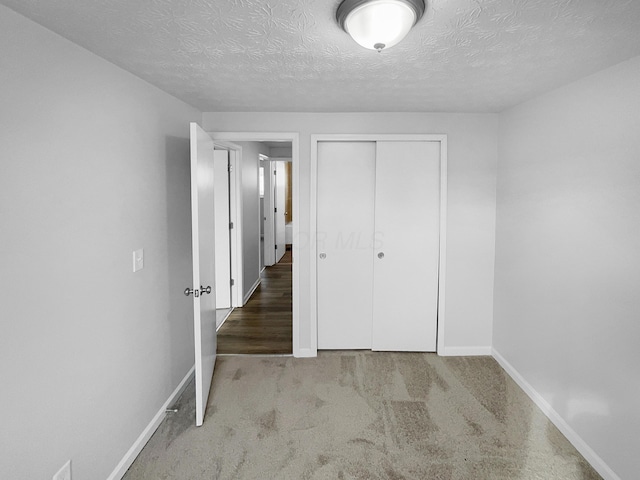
(294, 138)
(279, 194)
(271, 181)
(313, 210)
(235, 216)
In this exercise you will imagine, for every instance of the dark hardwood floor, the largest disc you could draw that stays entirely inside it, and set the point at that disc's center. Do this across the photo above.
(264, 325)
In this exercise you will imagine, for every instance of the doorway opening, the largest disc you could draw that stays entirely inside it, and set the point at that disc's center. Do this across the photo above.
(225, 158)
(276, 202)
(265, 322)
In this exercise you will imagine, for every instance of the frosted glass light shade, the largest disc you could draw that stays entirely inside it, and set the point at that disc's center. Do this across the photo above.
(379, 24)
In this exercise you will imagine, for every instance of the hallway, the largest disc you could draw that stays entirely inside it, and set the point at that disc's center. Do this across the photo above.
(264, 325)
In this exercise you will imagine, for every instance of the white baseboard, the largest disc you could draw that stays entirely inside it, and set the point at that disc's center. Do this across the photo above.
(305, 353)
(465, 351)
(587, 452)
(253, 289)
(146, 434)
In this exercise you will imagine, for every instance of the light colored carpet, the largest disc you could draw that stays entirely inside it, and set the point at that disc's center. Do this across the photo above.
(361, 415)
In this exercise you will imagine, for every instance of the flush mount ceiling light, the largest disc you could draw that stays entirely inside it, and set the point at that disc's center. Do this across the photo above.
(379, 24)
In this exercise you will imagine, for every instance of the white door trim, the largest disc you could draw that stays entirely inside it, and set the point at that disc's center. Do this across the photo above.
(235, 216)
(294, 138)
(313, 201)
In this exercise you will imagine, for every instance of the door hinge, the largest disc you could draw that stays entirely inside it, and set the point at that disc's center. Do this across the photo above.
(274, 172)
(233, 282)
(276, 247)
(230, 168)
(275, 210)
(231, 226)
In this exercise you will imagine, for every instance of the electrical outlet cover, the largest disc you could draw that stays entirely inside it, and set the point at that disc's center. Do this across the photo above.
(138, 260)
(64, 473)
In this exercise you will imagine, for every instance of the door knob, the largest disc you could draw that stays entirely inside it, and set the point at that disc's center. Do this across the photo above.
(381, 255)
(190, 291)
(204, 290)
(323, 256)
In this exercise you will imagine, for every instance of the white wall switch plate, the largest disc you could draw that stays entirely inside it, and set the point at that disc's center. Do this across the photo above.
(138, 260)
(64, 473)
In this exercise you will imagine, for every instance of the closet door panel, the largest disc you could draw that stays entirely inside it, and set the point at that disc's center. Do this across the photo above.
(407, 209)
(345, 223)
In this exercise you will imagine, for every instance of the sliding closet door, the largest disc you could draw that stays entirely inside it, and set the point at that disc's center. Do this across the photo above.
(407, 246)
(346, 180)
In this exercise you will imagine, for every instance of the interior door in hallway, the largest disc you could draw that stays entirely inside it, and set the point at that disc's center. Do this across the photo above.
(280, 208)
(222, 221)
(269, 222)
(345, 224)
(407, 218)
(203, 251)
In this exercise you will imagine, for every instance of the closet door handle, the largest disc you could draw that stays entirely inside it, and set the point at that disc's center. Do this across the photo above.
(323, 256)
(381, 255)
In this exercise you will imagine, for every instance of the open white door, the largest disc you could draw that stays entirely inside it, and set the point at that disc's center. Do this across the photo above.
(269, 215)
(203, 241)
(223, 244)
(280, 207)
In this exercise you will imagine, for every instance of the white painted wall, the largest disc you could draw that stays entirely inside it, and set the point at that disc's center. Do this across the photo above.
(250, 212)
(280, 152)
(471, 222)
(567, 286)
(95, 164)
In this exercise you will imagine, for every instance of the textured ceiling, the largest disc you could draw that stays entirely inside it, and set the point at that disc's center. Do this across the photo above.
(290, 55)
